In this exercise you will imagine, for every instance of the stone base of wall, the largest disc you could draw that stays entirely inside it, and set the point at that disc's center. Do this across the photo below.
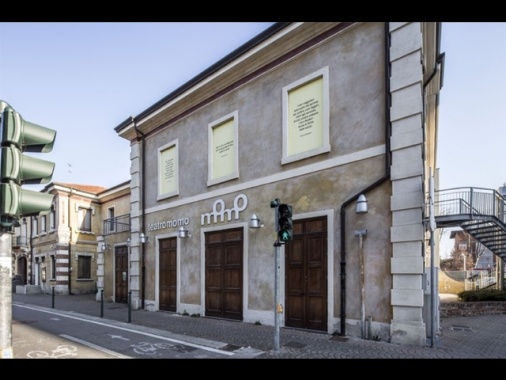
(28, 289)
(469, 309)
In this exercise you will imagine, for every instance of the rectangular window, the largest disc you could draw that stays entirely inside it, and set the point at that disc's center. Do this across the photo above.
(306, 117)
(53, 267)
(24, 232)
(43, 223)
(52, 219)
(223, 157)
(112, 221)
(84, 219)
(35, 226)
(84, 267)
(168, 170)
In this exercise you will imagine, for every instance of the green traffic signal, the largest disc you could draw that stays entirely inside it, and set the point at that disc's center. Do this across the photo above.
(285, 223)
(24, 169)
(16, 202)
(28, 137)
(16, 169)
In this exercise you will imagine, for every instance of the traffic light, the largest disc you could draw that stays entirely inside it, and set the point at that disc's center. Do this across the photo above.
(16, 169)
(285, 223)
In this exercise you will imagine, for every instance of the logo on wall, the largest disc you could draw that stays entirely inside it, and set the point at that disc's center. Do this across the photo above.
(219, 210)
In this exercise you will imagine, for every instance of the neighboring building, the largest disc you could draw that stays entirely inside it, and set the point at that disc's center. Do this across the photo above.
(468, 246)
(312, 114)
(113, 250)
(60, 251)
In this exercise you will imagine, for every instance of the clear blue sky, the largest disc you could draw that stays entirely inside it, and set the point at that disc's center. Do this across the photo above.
(83, 79)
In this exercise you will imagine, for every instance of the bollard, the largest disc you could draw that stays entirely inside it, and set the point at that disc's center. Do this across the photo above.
(52, 299)
(129, 306)
(101, 303)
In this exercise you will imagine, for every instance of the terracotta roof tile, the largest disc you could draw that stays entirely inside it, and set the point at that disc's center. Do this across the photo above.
(93, 189)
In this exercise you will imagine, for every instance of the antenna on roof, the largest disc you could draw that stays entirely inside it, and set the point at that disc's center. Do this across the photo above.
(69, 167)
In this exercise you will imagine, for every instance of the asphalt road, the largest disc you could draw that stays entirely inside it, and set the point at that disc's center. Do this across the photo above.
(49, 334)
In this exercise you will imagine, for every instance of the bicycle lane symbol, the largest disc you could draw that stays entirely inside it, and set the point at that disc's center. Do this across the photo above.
(60, 352)
(152, 349)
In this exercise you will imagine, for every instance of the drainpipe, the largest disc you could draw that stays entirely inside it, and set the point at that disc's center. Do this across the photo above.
(143, 160)
(385, 177)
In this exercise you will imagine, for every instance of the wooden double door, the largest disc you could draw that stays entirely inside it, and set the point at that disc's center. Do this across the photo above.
(121, 274)
(306, 286)
(168, 274)
(224, 274)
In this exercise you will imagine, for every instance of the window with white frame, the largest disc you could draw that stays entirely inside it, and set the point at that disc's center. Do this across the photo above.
(43, 223)
(83, 267)
(53, 267)
(306, 117)
(223, 156)
(35, 226)
(110, 216)
(168, 170)
(84, 219)
(52, 219)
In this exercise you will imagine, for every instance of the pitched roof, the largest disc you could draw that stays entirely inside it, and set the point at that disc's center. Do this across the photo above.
(92, 189)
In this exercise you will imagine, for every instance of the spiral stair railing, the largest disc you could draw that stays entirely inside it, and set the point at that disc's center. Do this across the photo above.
(478, 211)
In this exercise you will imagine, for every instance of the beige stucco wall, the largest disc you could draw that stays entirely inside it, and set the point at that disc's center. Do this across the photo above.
(314, 186)
(359, 129)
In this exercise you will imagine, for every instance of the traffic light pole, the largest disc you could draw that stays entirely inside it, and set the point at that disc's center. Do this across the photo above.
(18, 136)
(278, 309)
(5, 295)
(277, 305)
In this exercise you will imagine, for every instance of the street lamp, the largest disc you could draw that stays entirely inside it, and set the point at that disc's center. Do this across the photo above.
(361, 208)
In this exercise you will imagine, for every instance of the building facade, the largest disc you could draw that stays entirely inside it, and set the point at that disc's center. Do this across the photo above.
(65, 251)
(312, 115)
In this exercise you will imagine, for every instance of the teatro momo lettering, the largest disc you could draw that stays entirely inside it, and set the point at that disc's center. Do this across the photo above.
(168, 224)
(219, 212)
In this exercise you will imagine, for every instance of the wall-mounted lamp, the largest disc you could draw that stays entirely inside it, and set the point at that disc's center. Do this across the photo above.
(144, 238)
(362, 207)
(103, 247)
(255, 222)
(182, 233)
(128, 242)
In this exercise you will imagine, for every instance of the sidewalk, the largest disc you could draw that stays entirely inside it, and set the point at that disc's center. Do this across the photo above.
(460, 337)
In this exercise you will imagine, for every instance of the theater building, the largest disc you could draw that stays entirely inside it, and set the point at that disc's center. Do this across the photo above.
(312, 115)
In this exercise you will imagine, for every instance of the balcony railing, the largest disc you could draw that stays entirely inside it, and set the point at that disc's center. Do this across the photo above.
(19, 241)
(116, 225)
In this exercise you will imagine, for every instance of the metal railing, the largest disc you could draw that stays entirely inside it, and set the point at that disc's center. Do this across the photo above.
(116, 225)
(478, 211)
(469, 201)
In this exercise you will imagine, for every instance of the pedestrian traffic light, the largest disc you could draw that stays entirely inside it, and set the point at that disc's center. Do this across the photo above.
(285, 223)
(16, 169)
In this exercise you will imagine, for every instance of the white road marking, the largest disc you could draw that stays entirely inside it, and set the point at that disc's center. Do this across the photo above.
(206, 348)
(117, 337)
(99, 348)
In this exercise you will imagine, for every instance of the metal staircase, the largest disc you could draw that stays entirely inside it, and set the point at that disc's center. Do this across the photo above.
(480, 212)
